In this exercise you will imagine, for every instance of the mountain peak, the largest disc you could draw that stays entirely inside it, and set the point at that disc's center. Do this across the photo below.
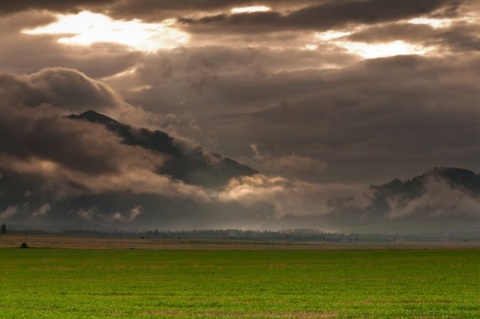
(448, 171)
(191, 167)
(93, 116)
(455, 177)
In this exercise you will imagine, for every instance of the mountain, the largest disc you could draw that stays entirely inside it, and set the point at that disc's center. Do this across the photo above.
(193, 166)
(457, 178)
(52, 195)
(441, 198)
(50, 188)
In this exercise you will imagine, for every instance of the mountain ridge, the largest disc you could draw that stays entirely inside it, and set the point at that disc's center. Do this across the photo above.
(455, 177)
(196, 166)
(439, 198)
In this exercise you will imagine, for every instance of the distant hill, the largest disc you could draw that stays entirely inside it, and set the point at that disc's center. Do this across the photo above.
(447, 194)
(193, 166)
(461, 178)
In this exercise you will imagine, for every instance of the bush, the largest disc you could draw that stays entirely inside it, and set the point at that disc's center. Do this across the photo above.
(24, 245)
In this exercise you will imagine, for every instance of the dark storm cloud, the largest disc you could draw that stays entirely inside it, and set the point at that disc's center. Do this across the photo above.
(14, 23)
(63, 88)
(217, 78)
(157, 11)
(69, 91)
(462, 38)
(43, 134)
(393, 32)
(146, 10)
(319, 17)
(292, 165)
(142, 6)
(9, 7)
(33, 107)
(153, 10)
(440, 199)
(378, 114)
(72, 156)
(457, 37)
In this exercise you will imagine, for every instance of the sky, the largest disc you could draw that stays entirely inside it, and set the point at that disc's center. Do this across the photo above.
(322, 97)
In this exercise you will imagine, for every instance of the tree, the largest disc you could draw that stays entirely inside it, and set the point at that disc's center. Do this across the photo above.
(4, 229)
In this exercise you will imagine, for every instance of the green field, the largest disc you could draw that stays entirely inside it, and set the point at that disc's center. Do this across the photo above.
(61, 283)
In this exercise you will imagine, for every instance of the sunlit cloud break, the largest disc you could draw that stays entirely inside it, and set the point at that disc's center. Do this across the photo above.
(250, 9)
(368, 50)
(371, 51)
(434, 23)
(86, 28)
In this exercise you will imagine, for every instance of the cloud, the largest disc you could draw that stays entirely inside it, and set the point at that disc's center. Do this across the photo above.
(287, 197)
(276, 199)
(86, 214)
(128, 217)
(439, 199)
(293, 165)
(14, 23)
(324, 16)
(146, 10)
(394, 31)
(186, 85)
(379, 112)
(73, 156)
(82, 154)
(9, 7)
(44, 141)
(270, 78)
(9, 212)
(93, 214)
(70, 91)
(462, 37)
(25, 53)
(160, 10)
(42, 210)
(67, 89)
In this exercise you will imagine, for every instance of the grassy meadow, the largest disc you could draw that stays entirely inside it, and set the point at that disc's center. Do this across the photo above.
(80, 283)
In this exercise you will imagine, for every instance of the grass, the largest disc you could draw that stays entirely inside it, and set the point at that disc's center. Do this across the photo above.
(62, 283)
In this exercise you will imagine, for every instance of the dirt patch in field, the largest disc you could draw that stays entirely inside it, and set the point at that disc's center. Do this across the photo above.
(70, 242)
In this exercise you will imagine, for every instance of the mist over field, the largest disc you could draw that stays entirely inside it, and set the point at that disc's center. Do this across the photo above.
(332, 115)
